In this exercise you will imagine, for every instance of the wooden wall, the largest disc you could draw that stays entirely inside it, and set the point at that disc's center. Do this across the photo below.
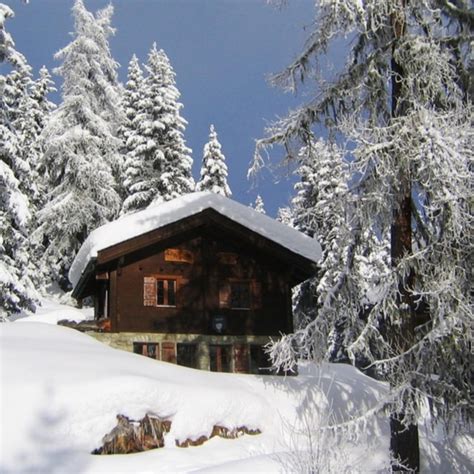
(209, 259)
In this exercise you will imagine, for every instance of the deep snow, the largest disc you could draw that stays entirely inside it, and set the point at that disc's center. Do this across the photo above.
(61, 392)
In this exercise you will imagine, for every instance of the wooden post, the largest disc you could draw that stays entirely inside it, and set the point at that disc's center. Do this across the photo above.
(113, 301)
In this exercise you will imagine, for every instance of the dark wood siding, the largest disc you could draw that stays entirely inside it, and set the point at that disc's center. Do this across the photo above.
(203, 263)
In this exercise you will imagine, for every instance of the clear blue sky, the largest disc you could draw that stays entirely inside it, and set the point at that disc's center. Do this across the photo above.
(222, 52)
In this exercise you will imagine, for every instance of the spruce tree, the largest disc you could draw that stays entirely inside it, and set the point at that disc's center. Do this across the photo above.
(158, 164)
(259, 205)
(285, 216)
(135, 171)
(175, 167)
(8, 53)
(41, 109)
(81, 147)
(213, 169)
(401, 106)
(16, 287)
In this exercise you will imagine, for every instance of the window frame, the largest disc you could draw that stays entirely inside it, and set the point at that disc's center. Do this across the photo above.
(150, 294)
(166, 292)
(236, 292)
(254, 293)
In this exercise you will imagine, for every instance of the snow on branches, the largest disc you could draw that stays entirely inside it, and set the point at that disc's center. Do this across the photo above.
(158, 163)
(401, 113)
(81, 152)
(213, 169)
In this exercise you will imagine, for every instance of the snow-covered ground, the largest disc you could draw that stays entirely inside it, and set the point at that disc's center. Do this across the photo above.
(61, 391)
(52, 311)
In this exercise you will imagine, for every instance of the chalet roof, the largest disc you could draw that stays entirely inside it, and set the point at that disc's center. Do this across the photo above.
(160, 215)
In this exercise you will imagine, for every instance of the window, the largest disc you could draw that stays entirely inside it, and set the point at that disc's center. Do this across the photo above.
(259, 361)
(168, 352)
(159, 291)
(220, 358)
(166, 292)
(240, 294)
(148, 349)
(241, 358)
(186, 354)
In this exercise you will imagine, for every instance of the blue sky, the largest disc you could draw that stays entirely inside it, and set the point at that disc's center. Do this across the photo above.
(222, 52)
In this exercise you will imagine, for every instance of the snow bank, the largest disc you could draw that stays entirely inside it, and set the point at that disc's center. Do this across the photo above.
(50, 312)
(62, 390)
(157, 216)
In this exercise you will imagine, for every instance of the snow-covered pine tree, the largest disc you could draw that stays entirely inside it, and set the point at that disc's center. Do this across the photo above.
(42, 87)
(158, 164)
(17, 105)
(319, 209)
(133, 171)
(402, 104)
(285, 216)
(175, 169)
(8, 53)
(16, 288)
(213, 169)
(259, 205)
(81, 145)
(144, 134)
(28, 109)
(41, 109)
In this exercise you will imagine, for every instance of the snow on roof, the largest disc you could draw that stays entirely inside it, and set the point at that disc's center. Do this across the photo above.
(160, 215)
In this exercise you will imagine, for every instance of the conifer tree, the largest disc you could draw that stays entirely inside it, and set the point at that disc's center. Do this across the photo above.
(158, 161)
(41, 109)
(285, 216)
(402, 106)
(144, 134)
(259, 205)
(16, 101)
(8, 53)
(16, 288)
(81, 144)
(213, 169)
(175, 167)
(135, 172)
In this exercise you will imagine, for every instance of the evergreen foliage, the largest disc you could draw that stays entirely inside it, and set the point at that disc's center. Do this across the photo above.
(81, 144)
(40, 109)
(8, 53)
(259, 205)
(158, 164)
(16, 287)
(285, 216)
(133, 171)
(402, 108)
(175, 169)
(213, 169)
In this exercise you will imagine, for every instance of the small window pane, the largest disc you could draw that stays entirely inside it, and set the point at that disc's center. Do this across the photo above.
(260, 362)
(149, 349)
(171, 293)
(160, 292)
(186, 355)
(240, 295)
(220, 358)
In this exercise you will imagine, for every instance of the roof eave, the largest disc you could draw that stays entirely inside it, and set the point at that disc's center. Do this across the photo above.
(86, 275)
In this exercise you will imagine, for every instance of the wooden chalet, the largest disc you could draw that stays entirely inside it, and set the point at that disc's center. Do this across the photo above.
(201, 281)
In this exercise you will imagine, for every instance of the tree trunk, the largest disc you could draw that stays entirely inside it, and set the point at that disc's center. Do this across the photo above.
(404, 442)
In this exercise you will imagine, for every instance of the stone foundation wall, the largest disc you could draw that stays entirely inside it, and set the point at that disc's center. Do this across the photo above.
(125, 340)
